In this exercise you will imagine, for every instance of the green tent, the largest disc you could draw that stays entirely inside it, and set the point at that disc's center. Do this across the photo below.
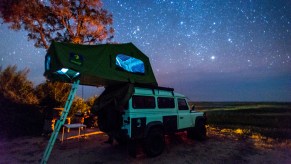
(98, 65)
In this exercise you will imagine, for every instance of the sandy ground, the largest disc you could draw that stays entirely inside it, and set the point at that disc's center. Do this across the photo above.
(222, 146)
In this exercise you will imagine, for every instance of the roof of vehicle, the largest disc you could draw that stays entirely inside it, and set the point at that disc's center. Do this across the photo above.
(159, 91)
(120, 94)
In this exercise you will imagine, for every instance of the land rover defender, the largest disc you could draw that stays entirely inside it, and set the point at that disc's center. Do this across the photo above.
(150, 114)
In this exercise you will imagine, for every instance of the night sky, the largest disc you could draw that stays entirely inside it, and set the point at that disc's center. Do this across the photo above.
(208, 50)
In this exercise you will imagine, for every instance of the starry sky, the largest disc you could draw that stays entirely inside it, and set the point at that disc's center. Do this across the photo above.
(228, 50)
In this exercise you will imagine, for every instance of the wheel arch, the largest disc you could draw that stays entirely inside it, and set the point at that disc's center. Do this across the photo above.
(200, 119)
(152, 125)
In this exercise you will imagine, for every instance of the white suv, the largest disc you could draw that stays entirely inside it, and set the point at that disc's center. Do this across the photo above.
(152, 113)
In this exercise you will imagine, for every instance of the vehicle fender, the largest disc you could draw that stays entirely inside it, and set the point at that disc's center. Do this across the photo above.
(200, 118)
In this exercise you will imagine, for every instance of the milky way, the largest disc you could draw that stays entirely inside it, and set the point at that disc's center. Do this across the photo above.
(209, 50)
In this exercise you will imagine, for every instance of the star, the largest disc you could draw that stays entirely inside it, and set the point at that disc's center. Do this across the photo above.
(188, 39)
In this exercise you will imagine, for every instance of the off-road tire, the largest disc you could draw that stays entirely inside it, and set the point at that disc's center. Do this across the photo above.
(132, 148)
(199, 131)
(154, 143)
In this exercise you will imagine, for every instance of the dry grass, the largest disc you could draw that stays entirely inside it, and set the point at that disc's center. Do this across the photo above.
(268, 119)
(260, 141)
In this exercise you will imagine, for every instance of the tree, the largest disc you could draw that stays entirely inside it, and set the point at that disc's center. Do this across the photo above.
(77, 21)
(90, 101)
(15, 87)
(52, 94)
(79, 105)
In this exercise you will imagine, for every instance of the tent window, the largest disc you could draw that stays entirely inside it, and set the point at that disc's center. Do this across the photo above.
(47, 62)
(129, 64)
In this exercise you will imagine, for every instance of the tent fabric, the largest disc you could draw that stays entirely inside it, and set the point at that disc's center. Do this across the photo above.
(98, 65)
(117, 95)
(110, 104)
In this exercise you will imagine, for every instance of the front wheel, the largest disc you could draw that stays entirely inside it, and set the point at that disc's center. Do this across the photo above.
(154, 143)
(198, 132)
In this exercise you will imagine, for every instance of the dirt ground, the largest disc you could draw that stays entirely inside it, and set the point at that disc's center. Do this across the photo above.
(222, 146)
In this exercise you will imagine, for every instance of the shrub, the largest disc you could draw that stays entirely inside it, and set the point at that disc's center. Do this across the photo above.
(15, 86)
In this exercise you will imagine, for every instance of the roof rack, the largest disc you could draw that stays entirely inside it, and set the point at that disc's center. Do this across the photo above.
(154, 87)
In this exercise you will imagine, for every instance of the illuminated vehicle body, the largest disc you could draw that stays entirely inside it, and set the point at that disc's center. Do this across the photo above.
(151, 113)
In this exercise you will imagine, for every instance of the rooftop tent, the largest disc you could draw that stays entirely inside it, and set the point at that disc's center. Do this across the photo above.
(98, 65)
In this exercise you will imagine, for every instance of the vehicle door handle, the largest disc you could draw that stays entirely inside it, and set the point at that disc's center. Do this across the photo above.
(181, 117)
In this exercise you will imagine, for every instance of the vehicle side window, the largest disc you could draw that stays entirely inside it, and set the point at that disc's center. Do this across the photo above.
(166, 102)
(182, 104)
(143, 102)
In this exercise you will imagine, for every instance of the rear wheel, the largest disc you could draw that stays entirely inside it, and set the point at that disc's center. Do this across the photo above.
(132, 148)
(154, 143)
(121, 138)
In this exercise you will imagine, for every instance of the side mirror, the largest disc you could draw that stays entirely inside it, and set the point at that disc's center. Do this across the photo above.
(192, 108)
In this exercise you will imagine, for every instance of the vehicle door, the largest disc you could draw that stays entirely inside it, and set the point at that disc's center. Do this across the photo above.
(184, 116)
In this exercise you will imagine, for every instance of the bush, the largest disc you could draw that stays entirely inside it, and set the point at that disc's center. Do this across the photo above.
(21, 120)
(14, 86)
(23, 108)
(52, 94)
(78, 105)
(20, 114)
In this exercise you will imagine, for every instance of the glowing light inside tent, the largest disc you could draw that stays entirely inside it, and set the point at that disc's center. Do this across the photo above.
(68, 72)
(77, 74)
(129, 64)
(63, 71)
(47, 63)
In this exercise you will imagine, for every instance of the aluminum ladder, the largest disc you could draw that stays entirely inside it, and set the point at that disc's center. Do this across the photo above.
(60, 123)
